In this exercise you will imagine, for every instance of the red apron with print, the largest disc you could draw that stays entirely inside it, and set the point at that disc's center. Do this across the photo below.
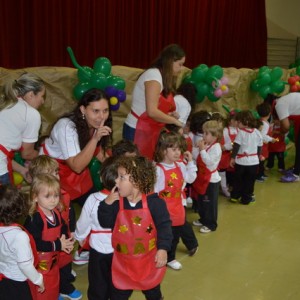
(172, 194)
(265, 146)
(48, 262)
(9, 155)
(296, 120)
(203, 177)
(279, 145)
(75, 184)
(134, 241)
(147, 130)
(226, 154)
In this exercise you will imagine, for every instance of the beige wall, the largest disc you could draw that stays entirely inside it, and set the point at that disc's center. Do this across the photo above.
(283, 18)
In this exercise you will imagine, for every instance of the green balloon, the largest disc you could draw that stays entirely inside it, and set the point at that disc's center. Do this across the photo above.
(277, 87)
(80, 89)
(198, 74)
(187, 78)
(102, 65)
(263, 70)
(203, 67)
(99, 81)
(255, 86)
(202, 89)
(276, 73)
(264, 78)
(213, 73)
(291, 134)
(85, 73)
(95, 167)
(298, 61)
(18, 158)
(211, 96)
(286, 140)
(116, 82)
(291, 66)
(264, 91)
(298, 70)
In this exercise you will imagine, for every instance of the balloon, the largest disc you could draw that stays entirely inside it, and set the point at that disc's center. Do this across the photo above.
(286, 140)
(276, 73)
(113, 100)
(80, 89)
(85, 73)
(116, 81)
(264, 91)
(18, 178)
(264, 78)
(111, 91)
(255, 86)
(198, 74)
(298, 70)
(277, 86)
(121, 95)
(103, 65)
(211, 95)
(218, 93)
(187, 78)
(294, 88)
(224, 80)
(98, 80)
(95, 167)
(115, 107)
(215, 72)
(203, 67)
(263, 70)
(202, 88)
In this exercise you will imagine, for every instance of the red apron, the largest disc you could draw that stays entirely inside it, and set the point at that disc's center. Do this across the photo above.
(172, 194)
(279, 145)
(265, 146)
(203, 177)
(226, 154)
(134, 241)
(75, 184)
(147, 130)
(10, 156)
(296, 120)
(48, 262)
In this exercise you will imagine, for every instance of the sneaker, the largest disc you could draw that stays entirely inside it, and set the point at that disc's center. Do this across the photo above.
(225, 192)
(260, 179)
(233, 200)
(75, 295)
(73, 273)
(193, 251)
(264, 176)
(175, 265)
(82, 258)
(189, 200)
(197, 223)
(252, 200)
(289, 178)
(204, 229)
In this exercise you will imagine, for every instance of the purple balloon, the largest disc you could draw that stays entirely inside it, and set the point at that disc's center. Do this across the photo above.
(111, 91)
(115, 107)
(121, 95)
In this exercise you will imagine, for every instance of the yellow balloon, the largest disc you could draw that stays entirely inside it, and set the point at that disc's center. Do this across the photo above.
(18, 179)
(113, 100)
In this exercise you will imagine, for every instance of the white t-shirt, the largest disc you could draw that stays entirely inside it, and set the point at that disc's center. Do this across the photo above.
(63, 142)
(248, 145)
(138, 96)
(88, 221)
(183, 108)
(227, 131)
(16, 258)
(288, 105)
(18, 124)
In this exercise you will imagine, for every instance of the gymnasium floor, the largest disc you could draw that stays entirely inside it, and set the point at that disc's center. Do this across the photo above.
(253, 255)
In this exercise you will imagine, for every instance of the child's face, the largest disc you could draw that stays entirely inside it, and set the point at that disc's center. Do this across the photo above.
(233, 123)
(172, 154)
(124, 185)
(241, 125)
(209, 138)
(47, 200)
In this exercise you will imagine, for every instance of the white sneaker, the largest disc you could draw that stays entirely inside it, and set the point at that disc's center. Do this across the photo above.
(73, 273)
(225, 192)
(82, 258)
(204, 229)
(197, 223)
(189, 200)
(175, 265)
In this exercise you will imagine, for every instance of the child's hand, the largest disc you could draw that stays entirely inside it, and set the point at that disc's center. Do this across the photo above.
(187, 155)
(67, 245)
(113, 196)
(232, 162)
(41, 288)
(174, 114)
(161, 258)
(202, 145)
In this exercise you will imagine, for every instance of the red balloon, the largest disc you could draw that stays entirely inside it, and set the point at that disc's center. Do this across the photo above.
(292, 80)
(294, 88)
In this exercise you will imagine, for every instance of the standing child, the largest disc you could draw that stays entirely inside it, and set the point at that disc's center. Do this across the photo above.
(99, 238)
(208, 179)
(245, 158)
(16, 249)
(49, 231)
(142, 233)
(171, 178)
(44, 164)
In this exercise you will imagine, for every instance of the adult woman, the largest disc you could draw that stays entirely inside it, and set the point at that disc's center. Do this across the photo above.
(152, 100)
(76, 138)
(19, 122)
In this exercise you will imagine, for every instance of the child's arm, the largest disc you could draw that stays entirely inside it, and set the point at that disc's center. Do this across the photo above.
(235, 150)
(189, 170)
(67, 244)
(22, 170)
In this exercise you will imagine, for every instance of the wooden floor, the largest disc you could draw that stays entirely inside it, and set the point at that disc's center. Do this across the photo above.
(253, 255)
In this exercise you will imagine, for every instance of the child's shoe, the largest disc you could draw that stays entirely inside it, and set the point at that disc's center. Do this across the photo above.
(81, 258)
(175, 265)
(75, 295)
(225, 192)
(234, 200)
(193, 251)
(205, 229)
(289, 178)
(197, 223)
(260, 179)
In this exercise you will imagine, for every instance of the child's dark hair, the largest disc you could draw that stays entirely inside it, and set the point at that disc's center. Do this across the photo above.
(259, 123)
(263, 109)
(216, 116)
(141, 170)
(124, 146)
(166, 139)
(13, 204)
(231, 116)
(246, 118)
(109, 173)
(198, 119)
(188, 91)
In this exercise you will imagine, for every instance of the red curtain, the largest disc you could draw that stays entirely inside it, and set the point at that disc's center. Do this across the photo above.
(229, 33)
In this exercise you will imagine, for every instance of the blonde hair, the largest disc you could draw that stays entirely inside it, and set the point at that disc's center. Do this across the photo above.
(215, 128)
(42, 181)
(13, 89)
(42, 164)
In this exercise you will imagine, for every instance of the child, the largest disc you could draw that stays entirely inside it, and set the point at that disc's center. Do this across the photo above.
(44, 164)
(142, 233)
(277, 149)
(264, 111)
(125, 147)
(49, 231)
(16, 251)
(99, 238)
(229, 133)
(245, 157)
(208, 178)
(171, 178)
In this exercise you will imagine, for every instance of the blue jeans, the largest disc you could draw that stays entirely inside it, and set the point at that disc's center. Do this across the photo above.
(128, 132)
(4, 179)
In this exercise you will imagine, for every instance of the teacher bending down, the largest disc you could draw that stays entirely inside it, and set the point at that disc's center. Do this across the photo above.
(152, 100)
(76, 138)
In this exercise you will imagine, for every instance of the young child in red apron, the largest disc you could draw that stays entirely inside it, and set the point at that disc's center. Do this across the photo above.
(171, 176)
(245, 158)
(17, 249)
(142, 233)
(208, 179)
(44, 164)
(49, 232)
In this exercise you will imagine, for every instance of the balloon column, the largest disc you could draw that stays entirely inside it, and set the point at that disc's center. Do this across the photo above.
(209, 82)
(294, 83)
(99, 77)
(268, 81)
